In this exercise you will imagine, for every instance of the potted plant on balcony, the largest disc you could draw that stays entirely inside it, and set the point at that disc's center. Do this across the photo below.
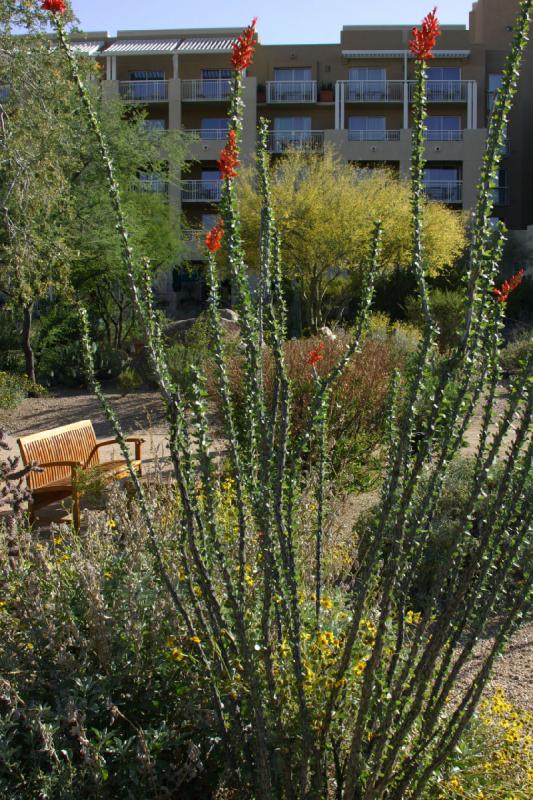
(327, 94)
(261, 93)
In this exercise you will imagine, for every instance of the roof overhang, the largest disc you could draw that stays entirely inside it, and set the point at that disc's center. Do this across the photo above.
(87, 48)
(402, 54)
(141, 47)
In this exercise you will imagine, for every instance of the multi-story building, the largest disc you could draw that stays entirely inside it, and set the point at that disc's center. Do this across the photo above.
(355, 95)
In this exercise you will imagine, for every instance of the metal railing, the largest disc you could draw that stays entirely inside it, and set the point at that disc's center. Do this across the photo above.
(443, 91)
(291, 92)
(279, 141)
(445, 191)
(206, 89)
(211, 134)
(444, 136)
(152, 185)
(143, 91)
(373, 91)
(373, 136)
(200, 191)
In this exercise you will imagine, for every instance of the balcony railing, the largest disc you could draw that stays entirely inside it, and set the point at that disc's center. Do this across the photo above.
(209, 89)
(373, 91)
(444, 136)
(373, 136)
(445, 191)
(211, 134)
(291, 92)
(194, 235)
(144, 91)
(279, 141)
(152, 185)
(443, 91)
(200, 191)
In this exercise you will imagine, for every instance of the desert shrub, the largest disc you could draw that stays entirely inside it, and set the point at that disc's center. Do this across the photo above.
(494, 759)
(520, 304)
(516, 351)
(14, 388)
(101, 694)
(447, 308)
(192, 351)
(129, 380)
(11, 355)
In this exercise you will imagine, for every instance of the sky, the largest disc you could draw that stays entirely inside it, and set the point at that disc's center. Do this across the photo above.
(279, 21)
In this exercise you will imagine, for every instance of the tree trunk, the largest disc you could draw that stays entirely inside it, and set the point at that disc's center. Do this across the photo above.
(26, 342)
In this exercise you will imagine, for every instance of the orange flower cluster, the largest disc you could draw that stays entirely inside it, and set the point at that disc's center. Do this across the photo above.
(502, 294)
(229, 158)
(213, 239)
(424, 38)
(57, 6)
(243, 49)
(316, 355)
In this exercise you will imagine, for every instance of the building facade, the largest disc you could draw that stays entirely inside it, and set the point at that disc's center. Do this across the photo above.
(355, 95)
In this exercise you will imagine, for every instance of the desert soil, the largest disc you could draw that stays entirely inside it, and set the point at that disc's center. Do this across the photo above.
(141, 413)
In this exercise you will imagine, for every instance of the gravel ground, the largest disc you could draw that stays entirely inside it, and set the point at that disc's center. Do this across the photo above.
(141, 413)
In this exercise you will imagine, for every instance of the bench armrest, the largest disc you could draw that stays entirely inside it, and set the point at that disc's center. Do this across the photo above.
(71, 464)
(136, 439)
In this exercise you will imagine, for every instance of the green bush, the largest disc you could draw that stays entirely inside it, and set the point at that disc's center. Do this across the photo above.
(515, 352)
(447, 308)
(129, 380)
(14, 388)
(11, 355)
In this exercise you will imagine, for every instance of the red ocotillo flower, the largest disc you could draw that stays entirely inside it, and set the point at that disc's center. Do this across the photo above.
(229, 158)
(213, 239)
(243, 49)
(57, 6)
(502, 294)
(316, 355)
(423, 39)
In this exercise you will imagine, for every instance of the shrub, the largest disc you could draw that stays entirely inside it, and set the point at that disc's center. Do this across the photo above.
(129, 380)
(516, 351)
(447, 308)
(14, 388)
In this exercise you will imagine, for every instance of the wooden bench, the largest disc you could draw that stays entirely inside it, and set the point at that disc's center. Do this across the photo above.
(60, 453)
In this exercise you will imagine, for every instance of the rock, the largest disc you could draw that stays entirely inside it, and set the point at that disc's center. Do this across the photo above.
(229, 314)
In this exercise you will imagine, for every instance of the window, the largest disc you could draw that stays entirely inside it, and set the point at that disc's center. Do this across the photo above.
(292, 124)
(296, 74)
(209, 221)
(444, 84)
(214, 128)
(147, 75)
(501, 192)
(211, 184)
(155, 124)
(443, 129)
(216, 83)
(290, 132)
(365, 129)
(494, 82)
(367, 83)
(151, 182)
(444, 184)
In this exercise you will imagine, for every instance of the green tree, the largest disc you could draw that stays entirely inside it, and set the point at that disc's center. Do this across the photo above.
(56, 231)
(326, 212)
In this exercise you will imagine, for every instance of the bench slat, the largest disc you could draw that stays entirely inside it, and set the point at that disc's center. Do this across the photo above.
(73, 442)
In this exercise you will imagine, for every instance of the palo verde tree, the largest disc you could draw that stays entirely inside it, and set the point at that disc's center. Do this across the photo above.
(316, 199)
(320, 691)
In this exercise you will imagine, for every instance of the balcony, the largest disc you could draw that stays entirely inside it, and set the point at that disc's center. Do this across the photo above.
(444, 136)
(444, 91)
(144, 91)
(372, 91)
(450, 192)
(373, 136)
(152, 185)
(200, 191)
(280, 141)
(291, 92)
(210, 89)
(208, 134)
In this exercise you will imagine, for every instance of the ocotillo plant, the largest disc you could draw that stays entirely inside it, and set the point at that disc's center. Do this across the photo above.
(319, 692)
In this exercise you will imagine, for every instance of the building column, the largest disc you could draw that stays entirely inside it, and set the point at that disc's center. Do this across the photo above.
(405, 92)
(249, 135)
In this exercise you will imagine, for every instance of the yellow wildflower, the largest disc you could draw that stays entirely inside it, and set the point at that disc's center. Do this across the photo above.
(195, 639)
(111, 523)
(325, 602)
(177, 654)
